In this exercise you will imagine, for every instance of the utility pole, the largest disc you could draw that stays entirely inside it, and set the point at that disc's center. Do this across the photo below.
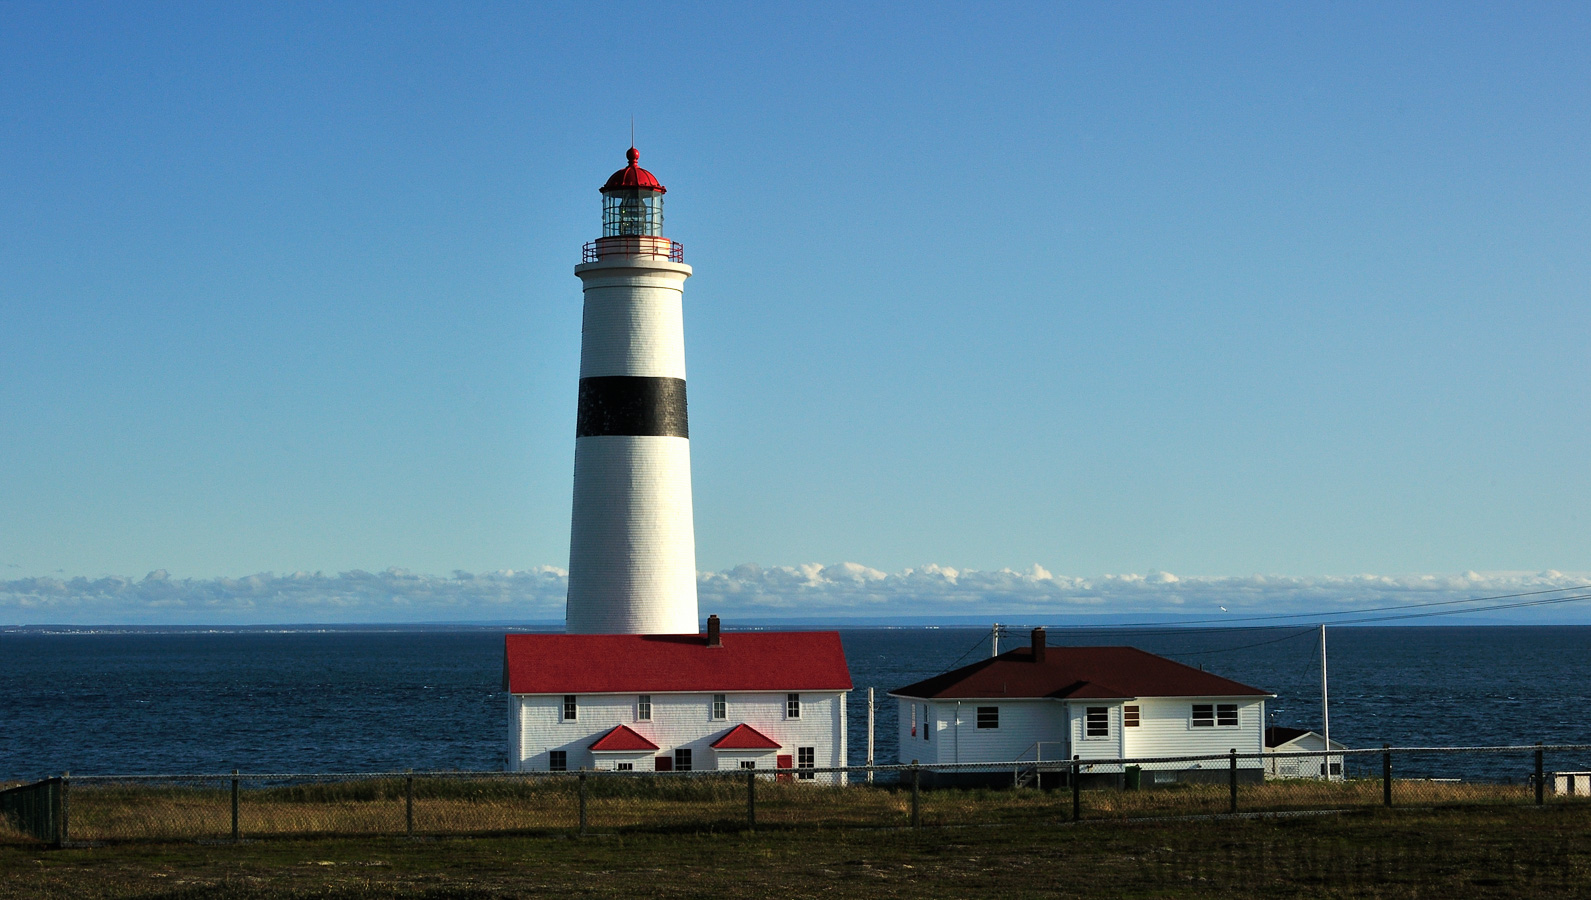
(1325, 706)
(994, 642)
(869, 735)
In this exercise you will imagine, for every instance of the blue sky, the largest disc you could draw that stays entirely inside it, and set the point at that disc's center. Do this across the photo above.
(1208, 289)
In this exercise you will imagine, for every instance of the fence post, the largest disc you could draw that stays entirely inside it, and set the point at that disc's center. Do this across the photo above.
(64, 814)
(235, 806)
(1077, 789)
(1233, 758)
(1541, 784)
(1386, 774)
(916, 814)
(408, 803)
(59, 812)
(751, 800)
(582, 804)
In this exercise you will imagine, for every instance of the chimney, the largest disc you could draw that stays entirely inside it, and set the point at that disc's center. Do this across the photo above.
(713, 640)
(1038, 645)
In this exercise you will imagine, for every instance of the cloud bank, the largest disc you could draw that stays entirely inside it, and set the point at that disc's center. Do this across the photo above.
(845, 590)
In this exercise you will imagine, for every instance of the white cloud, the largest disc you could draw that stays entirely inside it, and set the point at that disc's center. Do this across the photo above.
(843, 589)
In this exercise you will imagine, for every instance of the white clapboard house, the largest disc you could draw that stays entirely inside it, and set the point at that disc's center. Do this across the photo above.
(677, 702)
(1040, 703)
(1296, 740)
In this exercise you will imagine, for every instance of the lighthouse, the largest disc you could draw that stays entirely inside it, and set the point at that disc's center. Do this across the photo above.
(632, 544)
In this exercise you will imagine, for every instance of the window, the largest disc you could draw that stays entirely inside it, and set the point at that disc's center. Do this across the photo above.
(988, 717)
(625, 767)
(643, 708)
(806, 758)
(928, 723)
(748, 764)
(558, 760)
(792, 706)
(720, 708)
(569, 707)
(1096, 723)
(1211, 715)
(1129, 717)
(682, 759)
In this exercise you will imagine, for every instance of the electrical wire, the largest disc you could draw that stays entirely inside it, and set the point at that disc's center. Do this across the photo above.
(1295, 635)
(1346, 612)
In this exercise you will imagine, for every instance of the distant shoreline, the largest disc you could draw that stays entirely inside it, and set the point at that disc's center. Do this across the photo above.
(751, 624)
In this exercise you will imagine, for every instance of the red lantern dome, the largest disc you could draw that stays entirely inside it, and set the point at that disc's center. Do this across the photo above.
(633, 176)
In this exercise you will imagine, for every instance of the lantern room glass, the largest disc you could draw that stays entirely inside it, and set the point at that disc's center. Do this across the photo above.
(630, 211)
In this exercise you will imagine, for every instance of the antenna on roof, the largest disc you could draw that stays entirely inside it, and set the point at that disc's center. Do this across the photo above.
(632, 131)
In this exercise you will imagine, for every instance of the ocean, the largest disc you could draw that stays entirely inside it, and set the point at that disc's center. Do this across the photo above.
(387, 699)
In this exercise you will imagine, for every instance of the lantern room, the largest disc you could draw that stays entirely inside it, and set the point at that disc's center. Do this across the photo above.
(632, 217)
(632, 201)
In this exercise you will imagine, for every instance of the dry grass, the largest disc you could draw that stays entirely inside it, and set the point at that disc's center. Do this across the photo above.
(449, 806)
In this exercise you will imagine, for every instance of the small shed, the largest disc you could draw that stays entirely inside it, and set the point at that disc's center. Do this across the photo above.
(1570, 784)
(1295, 740)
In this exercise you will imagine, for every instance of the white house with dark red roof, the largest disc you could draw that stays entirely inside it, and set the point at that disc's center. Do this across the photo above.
(672, 702)
(1041, 703)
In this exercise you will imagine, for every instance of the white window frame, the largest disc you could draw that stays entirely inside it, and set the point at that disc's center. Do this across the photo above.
(571, 708)
(792, 706)
(1215, 717)
(720, 710)
(624, 767)
(643, 708)
(993, 717)
(748, 764)
(1132, 715)
(806, 759)
(1088, 734)
(683, 755)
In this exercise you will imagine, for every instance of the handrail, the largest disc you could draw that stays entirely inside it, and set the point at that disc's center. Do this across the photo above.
(633, 246)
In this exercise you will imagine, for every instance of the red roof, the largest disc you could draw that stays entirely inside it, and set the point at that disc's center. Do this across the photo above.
(622, 737)
(744, 737)
(1067, 673)
(663, 663)
(633, 176)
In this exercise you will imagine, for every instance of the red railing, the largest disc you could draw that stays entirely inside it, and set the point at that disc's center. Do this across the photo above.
(634, 246)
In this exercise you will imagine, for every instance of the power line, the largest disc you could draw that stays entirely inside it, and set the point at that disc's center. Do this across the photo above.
(1347, 612)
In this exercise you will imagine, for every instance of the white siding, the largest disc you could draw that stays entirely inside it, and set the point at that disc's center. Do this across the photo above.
(1168, 730)
(1165, 729)
(1108, 747)
(954, 734)
(730, 760)
(678, 720)
(633, 321)
(632, 547)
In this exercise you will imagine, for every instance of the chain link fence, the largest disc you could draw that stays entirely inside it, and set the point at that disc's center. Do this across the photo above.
(244, 806)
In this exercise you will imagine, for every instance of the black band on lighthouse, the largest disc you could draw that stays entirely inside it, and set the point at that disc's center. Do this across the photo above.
(632, 405)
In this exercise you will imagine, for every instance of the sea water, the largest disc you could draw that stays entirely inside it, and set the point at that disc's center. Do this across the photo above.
(351, 700)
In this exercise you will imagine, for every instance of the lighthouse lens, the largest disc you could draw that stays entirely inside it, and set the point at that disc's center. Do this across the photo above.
(637, 212)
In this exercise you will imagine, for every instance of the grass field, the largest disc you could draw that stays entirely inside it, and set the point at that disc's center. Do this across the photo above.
(142, 811)
(1482, 851)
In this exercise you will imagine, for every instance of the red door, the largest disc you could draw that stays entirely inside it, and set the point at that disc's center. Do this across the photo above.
(663, 763)
(784, 762)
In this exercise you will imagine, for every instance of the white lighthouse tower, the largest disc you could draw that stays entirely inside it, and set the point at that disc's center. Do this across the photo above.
(632, 544)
